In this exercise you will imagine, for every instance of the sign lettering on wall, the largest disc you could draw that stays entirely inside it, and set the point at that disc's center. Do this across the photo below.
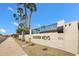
(42, 37)
(60, 38)
(45, 37)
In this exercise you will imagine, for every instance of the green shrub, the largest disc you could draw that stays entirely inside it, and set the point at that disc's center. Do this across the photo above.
(14, 35)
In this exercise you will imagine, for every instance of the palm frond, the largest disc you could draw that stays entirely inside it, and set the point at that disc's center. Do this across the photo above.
(14, 15)
(20, 10)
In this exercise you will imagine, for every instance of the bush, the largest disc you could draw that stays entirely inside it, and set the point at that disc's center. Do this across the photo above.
(0, 34)
(14, 35)
(32, 44)
(44, 49)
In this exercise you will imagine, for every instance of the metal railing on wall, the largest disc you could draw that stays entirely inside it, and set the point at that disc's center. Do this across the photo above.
(52, 27)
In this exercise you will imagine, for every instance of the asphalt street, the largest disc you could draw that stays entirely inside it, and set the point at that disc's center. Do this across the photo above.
(2, 39)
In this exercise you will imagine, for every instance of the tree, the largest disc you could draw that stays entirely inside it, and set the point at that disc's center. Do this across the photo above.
(14, 15)
(0, 34)
(25, 13)
(25, 5)
(14, 35)
(16, 19)
(23, 17)
(32, 7)
(20, 11)
(21, 25)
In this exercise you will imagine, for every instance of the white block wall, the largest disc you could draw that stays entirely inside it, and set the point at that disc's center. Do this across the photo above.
(71, 39)
(20, 36)
(69, 43)
(53, 42)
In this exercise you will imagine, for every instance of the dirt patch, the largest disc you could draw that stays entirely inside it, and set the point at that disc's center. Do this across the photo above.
(40, 50)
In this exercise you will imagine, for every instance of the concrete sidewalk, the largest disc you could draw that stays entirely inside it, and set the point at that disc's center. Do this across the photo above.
(10, 48)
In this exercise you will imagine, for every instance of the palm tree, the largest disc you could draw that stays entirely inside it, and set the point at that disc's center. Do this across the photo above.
(32, 8)
(16, 18)
(14, 15)
(25, 17)
(21, 25)
(22, 30)
(25, 5)
(20, 11)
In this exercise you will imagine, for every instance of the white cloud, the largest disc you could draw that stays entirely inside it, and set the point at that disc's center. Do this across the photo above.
(15, 23)
(9, 8)
(3, 30)
(39, 25)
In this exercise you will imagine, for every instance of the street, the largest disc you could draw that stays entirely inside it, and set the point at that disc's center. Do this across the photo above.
(2, 39)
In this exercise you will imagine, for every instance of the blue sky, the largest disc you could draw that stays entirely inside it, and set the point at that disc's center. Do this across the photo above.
(46, 14)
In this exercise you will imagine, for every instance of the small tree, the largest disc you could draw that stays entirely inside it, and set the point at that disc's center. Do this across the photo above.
(0, 34)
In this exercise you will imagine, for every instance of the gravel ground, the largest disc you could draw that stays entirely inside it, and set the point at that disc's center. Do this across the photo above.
(40, 50)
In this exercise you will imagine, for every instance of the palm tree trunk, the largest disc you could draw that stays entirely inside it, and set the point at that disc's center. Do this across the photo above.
(30, 27)
(23, 36)
(20, 20)
(25, 17)
(19, 16)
